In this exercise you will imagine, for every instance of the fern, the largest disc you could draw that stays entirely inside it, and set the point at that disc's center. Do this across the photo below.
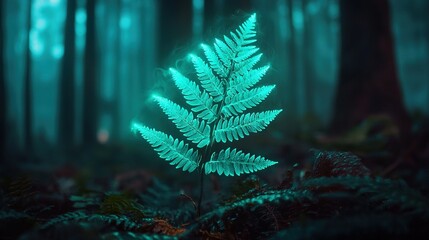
(246, 99)
(196, 131)
(217, 107)
(267, 197)
(385, 192)
(117, 220)
(234, 162)
(136, 236)
(173, 150)
(241, 126)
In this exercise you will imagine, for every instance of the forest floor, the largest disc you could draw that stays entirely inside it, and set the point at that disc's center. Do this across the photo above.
(370, 183)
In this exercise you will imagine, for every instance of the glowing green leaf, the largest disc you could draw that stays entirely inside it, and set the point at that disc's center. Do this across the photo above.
(224, 87)
(214, 61)
(208, 80)
(234, 162)
(238, 127)
(175, 151)
(195, 130)
(200, 101)
(246, 99)
(241, 83)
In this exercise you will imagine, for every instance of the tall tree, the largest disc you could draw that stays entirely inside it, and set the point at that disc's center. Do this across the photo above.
(175, 26)
(368, 83)
(3, 98)
(292, 95)
(28, 114)
(117, 72)
(308, 55)
(213, 9)
(66, 124)
(237, 6)
(90, 85)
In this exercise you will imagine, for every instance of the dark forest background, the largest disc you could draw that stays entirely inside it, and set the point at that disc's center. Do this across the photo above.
(75, 73)
(352, 143)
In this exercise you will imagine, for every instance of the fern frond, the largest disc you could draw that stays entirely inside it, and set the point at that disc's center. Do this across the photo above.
(244, 82)
(7, 214)
(172, 150)
(237, 49)
(246, 99)
(235, 162)
(244, 36)
(238, 127)
(231, 44)
(136, 236)
(243, 67)
(195, 130)
(226, 77)
(214, 60)
(225, 54)
(246, 31)
(207, 78)
(122, 221)
(245, 53)
(70, 216)
(266, 197)
(199, 100)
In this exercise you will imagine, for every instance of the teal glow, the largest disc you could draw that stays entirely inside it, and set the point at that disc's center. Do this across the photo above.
(313, 8)
(80, 19)
(37, 46)
(198, 4)
(125, 21)
(298, 18)
(155, 96)
(282, 12)
(54, 2)
(80, 16)
(191, 56)
(198, 18)
(41, 24)
(57, 51)
(334, 10)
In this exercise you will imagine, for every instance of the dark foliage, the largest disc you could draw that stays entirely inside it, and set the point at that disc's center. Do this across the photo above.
(338, 198)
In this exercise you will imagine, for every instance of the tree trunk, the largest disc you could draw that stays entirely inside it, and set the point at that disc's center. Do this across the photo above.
(175, 28)
(292, 98)
(3, 98)
(117, 72)
(28, 114)
(368, 82)
(308, 55)
(237, 7)
(90, 85)
(213, 9)
(66, 124)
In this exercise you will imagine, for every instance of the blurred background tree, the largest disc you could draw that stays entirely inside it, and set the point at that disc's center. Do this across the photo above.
(76, 72)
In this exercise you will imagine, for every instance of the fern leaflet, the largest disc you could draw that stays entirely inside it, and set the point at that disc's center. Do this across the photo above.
(173, 150)
(214, 61)
(247, 81)
(238, 127)
(235, 162)
(207, 78)
(200, 101)
(246, 99)
(196, 131)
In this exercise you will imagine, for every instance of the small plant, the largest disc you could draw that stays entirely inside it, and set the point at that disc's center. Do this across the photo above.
(217, 111)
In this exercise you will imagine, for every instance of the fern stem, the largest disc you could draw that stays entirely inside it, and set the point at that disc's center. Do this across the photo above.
(208, 150)
(200, 199)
